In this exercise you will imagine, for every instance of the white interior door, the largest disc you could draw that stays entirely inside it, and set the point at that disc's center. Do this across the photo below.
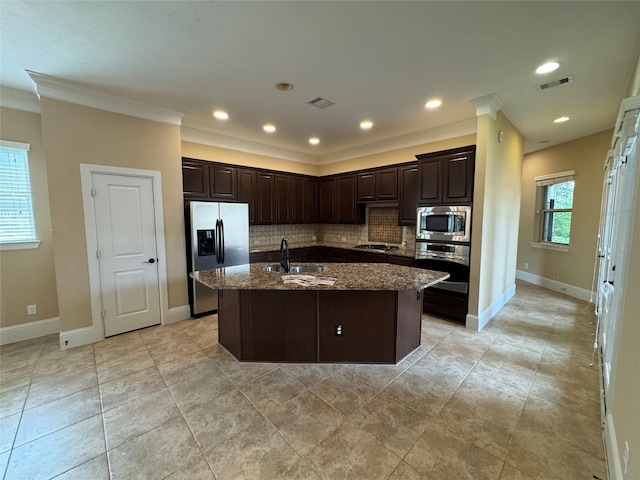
(125, 227)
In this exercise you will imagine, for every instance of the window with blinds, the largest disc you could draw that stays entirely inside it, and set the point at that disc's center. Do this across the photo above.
(16, 208)
(554, 198)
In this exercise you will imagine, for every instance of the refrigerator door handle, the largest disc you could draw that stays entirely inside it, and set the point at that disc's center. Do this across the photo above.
(217, 241)
(222, 240)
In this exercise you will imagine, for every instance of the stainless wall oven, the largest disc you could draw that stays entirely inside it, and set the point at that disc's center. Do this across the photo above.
(444, 223)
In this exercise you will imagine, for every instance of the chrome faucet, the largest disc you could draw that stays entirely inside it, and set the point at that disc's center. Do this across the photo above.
(284, 252)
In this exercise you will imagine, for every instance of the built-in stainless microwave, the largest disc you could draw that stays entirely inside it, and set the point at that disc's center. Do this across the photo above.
(444, 223)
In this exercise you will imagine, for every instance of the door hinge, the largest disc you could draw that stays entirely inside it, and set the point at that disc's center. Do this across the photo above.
(98, 254)
(93, 192)
(103, 313)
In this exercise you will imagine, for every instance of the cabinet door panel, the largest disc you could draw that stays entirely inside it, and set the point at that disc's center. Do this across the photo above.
(247, 191)
(408, 194)
(313, 187)
(387, 184)
(458, 178)
(327, 200)
(430, 171)
(366, 187)
(195, 179)
(347, 208)
(283, 192)
(297, 204)
(222, 182)
(265, 198)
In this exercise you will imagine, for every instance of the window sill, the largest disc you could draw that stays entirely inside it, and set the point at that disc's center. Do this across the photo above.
(31, 245)
(550, 246)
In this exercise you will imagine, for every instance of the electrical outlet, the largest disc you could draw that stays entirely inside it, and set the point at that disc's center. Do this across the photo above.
(526, 266)
(314, 238)
(344, 239)
(338, 330)
(31, 309)
(625, 457)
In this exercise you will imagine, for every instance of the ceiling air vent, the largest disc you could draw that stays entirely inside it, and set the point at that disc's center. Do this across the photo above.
(320, 102)
(556, 83)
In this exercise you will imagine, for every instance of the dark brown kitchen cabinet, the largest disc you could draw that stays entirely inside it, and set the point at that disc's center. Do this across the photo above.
(222, 182)
(347, 208)
(265, 193)
(258, 257)
(446, 177)
(283, 197)
(195, 179)
(297, 202)
(408, 176)
(327, 200)
(378, 185)
(246, 191)
(312, 200)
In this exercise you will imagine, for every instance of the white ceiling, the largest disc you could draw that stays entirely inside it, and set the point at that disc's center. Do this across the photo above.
(376, 60)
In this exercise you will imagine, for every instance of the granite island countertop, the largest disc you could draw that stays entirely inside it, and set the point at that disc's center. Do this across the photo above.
(349, 276)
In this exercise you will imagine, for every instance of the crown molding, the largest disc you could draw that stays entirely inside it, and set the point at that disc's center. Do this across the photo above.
(73, 92)
(232, 143)
(489, 104)
(444, 132)
(19, 100)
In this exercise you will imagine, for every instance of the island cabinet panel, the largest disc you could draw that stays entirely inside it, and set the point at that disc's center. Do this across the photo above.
(247, 191)
(409, 322)
(265, 192)
(195, 179)
(229, 321)
(222, 182)
(408, 178)
(278, 326)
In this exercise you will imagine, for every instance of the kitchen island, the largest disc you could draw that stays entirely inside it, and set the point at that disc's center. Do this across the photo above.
(370, 314)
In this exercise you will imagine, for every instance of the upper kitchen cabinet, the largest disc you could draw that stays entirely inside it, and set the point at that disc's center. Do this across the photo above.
(378, 185)
(265, 198)
(446, 177)
(312, 192)
(327, 210)
(297, 202)
(408, 179)
(195, 179)
(283, 198)
(347, 208)
(222, 182)
(246, 191)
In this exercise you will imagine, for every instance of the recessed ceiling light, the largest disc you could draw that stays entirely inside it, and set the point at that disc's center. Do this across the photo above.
(269, 127)
(314, 140)
(544, 141)
(366, 124)
(284, 86)
(433, 103)
(220, 114)
(562, 119)
(547, 67)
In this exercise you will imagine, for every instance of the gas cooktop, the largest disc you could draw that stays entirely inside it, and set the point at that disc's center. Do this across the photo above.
(377, 246)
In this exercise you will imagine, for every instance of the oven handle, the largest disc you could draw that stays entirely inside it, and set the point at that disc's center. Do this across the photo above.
(459, 287)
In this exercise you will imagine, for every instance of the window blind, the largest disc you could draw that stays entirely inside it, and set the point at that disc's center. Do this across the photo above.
(553, 178)
(16, 208)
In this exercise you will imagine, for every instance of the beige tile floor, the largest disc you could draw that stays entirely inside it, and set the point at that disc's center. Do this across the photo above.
(516, 401)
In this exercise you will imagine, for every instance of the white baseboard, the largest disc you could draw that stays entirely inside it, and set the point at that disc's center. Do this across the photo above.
(478, 322)
(27, 331)
(576, 292)
(611, 447)
(177, 314)
(79, 336)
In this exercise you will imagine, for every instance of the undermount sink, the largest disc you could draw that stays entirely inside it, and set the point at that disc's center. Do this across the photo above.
(294, 268)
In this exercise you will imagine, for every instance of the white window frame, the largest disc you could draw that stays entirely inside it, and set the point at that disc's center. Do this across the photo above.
(543, 181)
(26, 244)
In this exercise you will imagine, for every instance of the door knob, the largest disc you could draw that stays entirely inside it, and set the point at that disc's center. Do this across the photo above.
(151, 260)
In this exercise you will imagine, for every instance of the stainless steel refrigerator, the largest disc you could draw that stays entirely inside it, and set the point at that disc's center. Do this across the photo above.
(218, 236)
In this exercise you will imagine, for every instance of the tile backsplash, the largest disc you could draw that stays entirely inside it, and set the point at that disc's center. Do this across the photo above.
(382, 227)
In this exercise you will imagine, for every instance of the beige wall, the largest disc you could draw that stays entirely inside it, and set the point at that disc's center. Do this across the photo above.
(223, 155)
(28, 276)
(496, 201)
(73, 135)
(402, 155)
(585, 156)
